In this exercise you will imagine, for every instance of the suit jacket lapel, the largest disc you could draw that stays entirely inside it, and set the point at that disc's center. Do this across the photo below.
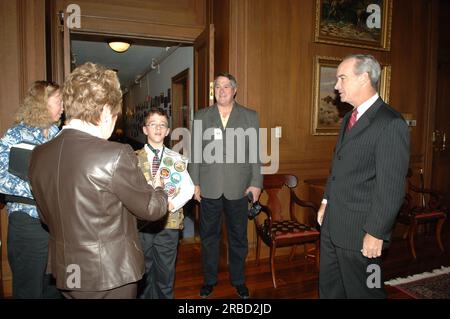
(214, 117)
(342, 130)
(233, 120)
(360, 125)
(235, 116)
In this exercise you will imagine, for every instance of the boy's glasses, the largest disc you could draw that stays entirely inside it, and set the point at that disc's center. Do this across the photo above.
(154, 126)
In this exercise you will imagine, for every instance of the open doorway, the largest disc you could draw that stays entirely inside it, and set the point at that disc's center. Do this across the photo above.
(181, 108)
(145, 72)
(152, 73)
(170, 38)
(180, 96)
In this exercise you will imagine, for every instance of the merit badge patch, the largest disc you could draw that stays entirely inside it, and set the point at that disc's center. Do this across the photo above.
(175, 178)
(180, 166)
(165, 172)
(170, 189)
(168, 161)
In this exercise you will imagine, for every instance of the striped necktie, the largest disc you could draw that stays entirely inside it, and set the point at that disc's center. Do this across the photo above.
(156, 161)
(352, 120)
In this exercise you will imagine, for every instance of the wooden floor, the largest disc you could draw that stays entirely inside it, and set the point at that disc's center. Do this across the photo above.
(298, 279)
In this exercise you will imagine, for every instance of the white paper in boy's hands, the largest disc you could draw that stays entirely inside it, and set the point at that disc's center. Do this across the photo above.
(177, 182)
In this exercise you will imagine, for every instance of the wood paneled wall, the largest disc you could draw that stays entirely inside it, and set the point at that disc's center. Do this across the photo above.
(272, 53)
(164, 19)
(221, 19)
(22, 34)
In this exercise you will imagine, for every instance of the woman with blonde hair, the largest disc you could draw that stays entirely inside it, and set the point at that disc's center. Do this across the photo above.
(36, 123)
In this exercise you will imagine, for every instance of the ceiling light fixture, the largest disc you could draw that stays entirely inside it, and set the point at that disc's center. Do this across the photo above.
(119, 46)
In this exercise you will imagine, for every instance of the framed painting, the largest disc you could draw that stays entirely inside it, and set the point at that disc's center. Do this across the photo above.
(357, 23)
(328, 110)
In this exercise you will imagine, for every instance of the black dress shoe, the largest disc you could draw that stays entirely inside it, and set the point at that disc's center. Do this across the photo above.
(206, 291)
(242, 291)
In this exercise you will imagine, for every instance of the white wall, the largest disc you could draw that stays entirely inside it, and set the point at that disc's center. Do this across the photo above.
(153, 84)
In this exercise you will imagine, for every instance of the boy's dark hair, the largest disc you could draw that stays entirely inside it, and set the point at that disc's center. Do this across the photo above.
(156, 110)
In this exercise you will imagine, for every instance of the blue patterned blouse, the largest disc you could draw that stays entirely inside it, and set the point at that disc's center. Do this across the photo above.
(10, 184)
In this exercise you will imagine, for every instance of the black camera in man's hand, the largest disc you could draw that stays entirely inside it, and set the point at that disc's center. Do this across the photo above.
(255, 209)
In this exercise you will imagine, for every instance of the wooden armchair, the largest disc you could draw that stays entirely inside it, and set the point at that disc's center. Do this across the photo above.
(429, 210)
(275, 231)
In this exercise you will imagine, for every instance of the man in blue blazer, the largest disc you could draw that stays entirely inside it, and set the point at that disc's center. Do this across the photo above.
(225, 167)
(365, 188)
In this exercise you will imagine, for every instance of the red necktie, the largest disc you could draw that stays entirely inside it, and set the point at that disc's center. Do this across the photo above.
(352, 120)
(156, 162)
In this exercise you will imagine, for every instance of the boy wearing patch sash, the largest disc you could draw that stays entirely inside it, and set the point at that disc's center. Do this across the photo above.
(160, 239)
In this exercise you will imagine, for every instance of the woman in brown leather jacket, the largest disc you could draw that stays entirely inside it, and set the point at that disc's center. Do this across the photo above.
(89, 192)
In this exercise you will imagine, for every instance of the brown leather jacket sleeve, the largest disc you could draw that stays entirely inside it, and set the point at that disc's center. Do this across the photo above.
(130, 186)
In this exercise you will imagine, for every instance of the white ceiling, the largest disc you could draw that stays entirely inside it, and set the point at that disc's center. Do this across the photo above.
(129, 64)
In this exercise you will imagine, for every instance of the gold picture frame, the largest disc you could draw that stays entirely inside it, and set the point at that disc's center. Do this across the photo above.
(362, 23)
(328, 110)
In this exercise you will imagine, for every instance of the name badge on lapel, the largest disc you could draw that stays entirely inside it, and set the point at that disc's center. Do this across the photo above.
(217, 134)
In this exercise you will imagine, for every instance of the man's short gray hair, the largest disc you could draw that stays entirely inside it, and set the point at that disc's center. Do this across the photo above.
(367, 63)
(229, 77)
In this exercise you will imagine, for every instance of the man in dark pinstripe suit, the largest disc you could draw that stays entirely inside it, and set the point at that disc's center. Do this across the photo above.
(365, 188)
